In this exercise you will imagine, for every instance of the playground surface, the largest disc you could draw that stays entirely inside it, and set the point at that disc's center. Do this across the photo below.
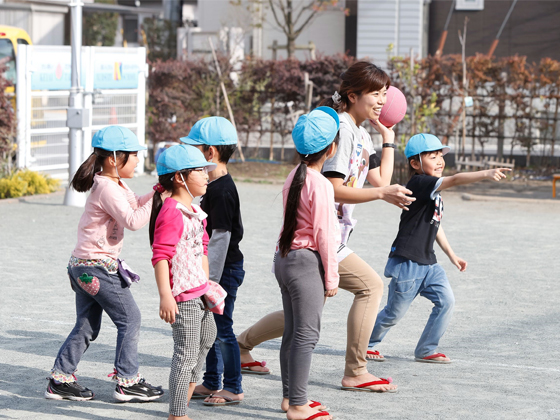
(503, 338)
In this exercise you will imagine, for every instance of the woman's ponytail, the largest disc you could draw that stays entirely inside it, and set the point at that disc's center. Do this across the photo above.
(361, 77)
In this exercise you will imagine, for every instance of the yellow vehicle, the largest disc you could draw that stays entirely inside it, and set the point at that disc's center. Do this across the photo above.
(10, 38)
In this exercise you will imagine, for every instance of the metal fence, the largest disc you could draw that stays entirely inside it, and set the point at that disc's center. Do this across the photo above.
(42, 132)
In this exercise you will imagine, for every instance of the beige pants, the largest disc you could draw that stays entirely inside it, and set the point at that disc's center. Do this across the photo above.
(358, 278)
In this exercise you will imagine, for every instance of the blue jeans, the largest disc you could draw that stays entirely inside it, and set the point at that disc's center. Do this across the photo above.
(408, 280)
(223, 357)
(113, 297)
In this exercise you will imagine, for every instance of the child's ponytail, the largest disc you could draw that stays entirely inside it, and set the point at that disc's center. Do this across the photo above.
(165, 184)
(83, 178)
(292, 206)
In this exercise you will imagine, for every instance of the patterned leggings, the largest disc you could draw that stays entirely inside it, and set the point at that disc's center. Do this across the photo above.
(194, 333)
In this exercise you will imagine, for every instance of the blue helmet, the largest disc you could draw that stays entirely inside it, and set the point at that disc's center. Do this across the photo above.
(420, 143)
(116, 138)
(212, 131)
(179, 157)
(316, 130)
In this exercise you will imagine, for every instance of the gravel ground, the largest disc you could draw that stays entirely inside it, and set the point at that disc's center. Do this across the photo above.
(503, 338)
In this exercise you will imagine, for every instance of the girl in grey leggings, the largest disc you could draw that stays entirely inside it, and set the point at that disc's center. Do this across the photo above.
(306, 266)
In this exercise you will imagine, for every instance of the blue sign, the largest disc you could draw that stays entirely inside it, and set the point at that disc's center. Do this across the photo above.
(51, 69)
(115, 71)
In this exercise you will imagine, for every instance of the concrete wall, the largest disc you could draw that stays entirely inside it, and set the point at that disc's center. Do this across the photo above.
(326, 31)
(43, 23)
(397, 22)
(48, 28)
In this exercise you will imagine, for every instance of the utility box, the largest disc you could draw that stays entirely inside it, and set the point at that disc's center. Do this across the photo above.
(77, 118)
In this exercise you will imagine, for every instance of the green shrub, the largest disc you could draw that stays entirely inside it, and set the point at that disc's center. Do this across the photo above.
(27, 182)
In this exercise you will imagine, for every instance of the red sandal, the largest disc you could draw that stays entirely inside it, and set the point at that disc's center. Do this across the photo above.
(364, 387)
(246, 368)
(429, 359)
(375, 353)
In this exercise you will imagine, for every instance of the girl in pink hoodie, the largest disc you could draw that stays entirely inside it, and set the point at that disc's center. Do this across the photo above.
(305, 265)
(100, 280)
(179, 243)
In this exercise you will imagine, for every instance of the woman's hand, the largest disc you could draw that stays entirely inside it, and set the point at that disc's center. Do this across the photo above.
(386, 132)
(331, 293)
(398, 196)
(168, 308)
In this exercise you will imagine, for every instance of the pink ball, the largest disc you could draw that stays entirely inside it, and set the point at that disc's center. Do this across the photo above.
(394, 109)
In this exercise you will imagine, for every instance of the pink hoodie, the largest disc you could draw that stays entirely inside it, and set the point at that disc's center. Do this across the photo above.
(109, 209)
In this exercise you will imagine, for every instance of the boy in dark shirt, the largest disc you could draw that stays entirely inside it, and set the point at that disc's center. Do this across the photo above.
(412, 264)
(217, 139)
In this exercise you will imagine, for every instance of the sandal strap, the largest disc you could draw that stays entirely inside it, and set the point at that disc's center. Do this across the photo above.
(319, 414)
(383, 381)
(433, 356)
(224, 397)
(246, 365)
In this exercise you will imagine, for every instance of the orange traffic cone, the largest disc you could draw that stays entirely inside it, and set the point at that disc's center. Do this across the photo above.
(113, 118)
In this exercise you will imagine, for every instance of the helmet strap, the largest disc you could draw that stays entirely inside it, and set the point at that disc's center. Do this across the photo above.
(116, 169)
(186, 186)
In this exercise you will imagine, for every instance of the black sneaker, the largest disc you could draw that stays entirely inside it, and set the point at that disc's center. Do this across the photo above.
(142, 391)
(67, 391)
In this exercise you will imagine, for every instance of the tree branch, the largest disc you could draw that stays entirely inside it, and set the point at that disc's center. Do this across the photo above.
(283, 27)
(308, 7)
(304, 24)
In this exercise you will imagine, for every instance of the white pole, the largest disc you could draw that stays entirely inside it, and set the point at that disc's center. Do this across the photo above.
(75, 109)
(141, 107)
(21, 104)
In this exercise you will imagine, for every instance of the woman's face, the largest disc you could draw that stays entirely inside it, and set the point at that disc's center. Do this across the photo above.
(367, 106)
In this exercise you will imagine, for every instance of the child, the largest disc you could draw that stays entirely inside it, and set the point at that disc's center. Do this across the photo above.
(217, 139)
(412, 264)
(306, 266)
(95, 272)
(178, 238)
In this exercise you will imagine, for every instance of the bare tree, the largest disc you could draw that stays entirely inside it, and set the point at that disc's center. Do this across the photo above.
(292, 16)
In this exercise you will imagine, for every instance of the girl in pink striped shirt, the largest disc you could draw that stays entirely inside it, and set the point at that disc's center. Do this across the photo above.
(306, 265)
(179, 243)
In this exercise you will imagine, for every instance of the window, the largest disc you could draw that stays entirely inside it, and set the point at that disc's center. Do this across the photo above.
(131, 29)
(22, 41)
(8, 58)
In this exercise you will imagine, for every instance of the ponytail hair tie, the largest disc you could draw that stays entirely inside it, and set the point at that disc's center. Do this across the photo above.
(159, 188)
(336, 98)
